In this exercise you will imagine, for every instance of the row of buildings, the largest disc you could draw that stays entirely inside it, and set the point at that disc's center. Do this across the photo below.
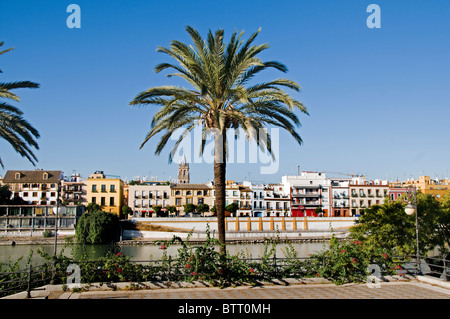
(307, 193)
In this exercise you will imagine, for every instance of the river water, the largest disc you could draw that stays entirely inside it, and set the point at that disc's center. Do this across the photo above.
(149, 251)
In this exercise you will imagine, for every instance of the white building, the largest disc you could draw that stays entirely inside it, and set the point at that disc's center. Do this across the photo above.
(340, 197)
(141, 198)
(310, 193)
(37, 187)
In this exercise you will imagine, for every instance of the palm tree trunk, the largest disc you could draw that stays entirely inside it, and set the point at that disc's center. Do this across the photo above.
(219, 186)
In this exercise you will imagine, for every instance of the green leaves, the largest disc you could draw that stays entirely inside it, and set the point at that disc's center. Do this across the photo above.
(97, 227)
(219, 96)
(14, 128)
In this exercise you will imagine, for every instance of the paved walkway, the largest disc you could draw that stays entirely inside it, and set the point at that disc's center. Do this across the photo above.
(422, 287)
(391, 290)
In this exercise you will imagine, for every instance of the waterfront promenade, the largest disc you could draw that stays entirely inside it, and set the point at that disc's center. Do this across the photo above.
(422, 287)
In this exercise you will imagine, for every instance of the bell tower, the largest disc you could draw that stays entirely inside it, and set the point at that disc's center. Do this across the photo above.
(183, 171)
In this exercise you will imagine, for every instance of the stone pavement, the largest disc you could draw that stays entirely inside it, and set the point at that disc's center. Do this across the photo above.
(391, 290)
(395, 287)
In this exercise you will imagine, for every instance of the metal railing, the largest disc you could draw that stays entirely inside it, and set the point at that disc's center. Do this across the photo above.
(26, 279)
(32, 277)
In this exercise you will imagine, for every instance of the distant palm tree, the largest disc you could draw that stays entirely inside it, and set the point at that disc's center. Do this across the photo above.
(221, 97)
(13, 127)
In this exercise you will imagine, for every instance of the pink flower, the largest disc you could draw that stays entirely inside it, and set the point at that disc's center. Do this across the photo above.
(342, 251)
(188, 266)
(194, 273)
(119, 254)
(354, 260)
(163, 246)
(119, 269)
(385, 256)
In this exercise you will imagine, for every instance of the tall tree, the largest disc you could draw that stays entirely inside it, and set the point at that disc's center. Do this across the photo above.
(221, 97)
(13, 127)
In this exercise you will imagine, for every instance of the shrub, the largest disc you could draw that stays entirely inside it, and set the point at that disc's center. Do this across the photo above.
(348, 261)
(97, 227)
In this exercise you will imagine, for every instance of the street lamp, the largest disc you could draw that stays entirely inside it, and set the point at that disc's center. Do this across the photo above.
(58, 210)
(411, 209)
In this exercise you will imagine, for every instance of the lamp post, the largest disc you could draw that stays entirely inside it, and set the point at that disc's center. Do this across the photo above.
(59, 209)
(410, 209)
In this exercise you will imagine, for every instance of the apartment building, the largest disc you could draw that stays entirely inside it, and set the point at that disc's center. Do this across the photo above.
(184, 193)
(259, 204)
(310, 193)
(277, 200)
(37, 187)
(106, 192)
(142, 197)
(365, 193)
(426, 185)
(340, 197)
(73, 190)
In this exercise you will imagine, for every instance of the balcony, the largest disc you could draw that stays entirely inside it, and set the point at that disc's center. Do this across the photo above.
(305, 194)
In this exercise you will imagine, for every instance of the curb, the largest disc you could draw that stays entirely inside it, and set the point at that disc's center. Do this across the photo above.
(434, 281)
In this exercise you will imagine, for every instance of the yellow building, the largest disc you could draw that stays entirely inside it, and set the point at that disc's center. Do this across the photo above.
(184, 193)
(435, 187)
(106, 192)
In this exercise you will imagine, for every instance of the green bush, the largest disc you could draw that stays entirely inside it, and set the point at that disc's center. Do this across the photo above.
(348, 261)
(97, 227)
(46, 233)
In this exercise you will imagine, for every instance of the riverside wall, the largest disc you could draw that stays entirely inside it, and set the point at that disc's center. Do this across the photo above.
(243, 228)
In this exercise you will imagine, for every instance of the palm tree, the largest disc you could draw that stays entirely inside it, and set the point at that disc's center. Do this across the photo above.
(220, 98)
(13, 127)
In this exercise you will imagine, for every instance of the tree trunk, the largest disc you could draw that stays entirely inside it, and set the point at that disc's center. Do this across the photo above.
(219, 186)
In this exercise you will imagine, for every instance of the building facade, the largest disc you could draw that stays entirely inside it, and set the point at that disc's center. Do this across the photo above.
(141, 198)
(106, 192)
(73, 191)
(36, 187)
(426, 185)
(310, 194)
(365, 193)
(182, 194)
(340, 197)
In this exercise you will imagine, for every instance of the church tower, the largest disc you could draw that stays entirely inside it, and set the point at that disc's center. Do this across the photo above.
(183, 171)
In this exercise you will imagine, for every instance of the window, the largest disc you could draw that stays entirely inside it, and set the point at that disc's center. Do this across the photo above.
(17, 176)
(102, 201)
(235, 193)
(35, 194)
(25, 194)
(188, 200)
(178, 201)
(94, 188)
(111, 201)
(94, 200)
(103, 188)
(188, 192)
(45, 176)
(199, 193)
(112, 188)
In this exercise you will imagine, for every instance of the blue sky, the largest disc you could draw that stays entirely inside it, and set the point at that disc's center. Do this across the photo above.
(378, 98)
